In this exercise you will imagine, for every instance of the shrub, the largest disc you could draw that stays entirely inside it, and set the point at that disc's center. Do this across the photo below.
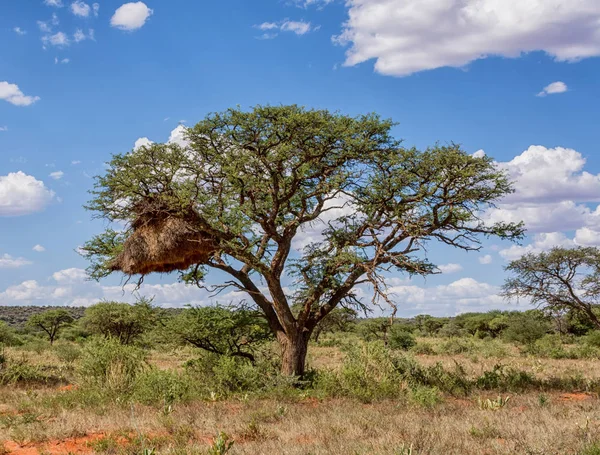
(593, 339)
(526, 327)
(455, 346)
(110, 364)
(67, 352)
(401, 339)
(423, 348)
(22, 372)
(425, 396)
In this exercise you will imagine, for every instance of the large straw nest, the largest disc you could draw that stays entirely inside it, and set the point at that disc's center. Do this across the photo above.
(163, 241)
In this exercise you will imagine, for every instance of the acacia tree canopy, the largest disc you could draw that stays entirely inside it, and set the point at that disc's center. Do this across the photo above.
(50, 322)
(259, 179)
(562, 280)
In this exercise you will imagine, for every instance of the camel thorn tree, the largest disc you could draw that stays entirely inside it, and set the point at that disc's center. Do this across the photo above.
(248, 193)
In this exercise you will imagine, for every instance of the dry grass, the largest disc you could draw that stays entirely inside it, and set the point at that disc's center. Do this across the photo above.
(554, 423)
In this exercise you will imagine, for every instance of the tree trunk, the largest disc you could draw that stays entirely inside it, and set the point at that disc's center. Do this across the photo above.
(293, 353)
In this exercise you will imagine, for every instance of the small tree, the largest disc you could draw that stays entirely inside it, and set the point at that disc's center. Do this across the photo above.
(252, 183)
(559, 281)
(220, 330)
(50, 322)
(121, 321)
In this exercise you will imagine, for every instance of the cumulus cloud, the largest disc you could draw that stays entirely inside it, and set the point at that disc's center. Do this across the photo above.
(142, 142)
(21, 194)
(55, 3)
(485, 260)
(80, 8)
(465, 294)
(96, 8)
(131, 16)
(3, 128)
(408, 36)
(177, 136)
(57, 175)
(19, 31)
(12, 94)
(8, 262)
(39, 248)
(62, 61)
(553, 88)
(297, 27)
(450, 268)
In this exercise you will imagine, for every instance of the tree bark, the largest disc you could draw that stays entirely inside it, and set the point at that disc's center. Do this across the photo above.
(293, 352)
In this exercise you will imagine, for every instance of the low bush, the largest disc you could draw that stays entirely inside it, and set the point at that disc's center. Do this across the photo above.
(401, 339)
(154, 386)
(109, 364)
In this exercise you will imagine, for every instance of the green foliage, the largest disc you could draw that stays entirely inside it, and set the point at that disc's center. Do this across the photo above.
(455, 346)
(223, 331)
(153, 386)
(399, 338)
(121, 321)
(526, 327)
(50, 322)
(221, 445)
(67, 352)
(424, 396)
(8, 337)
(106, 363)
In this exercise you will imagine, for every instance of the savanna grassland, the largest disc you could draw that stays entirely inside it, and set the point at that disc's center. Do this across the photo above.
(425, 386)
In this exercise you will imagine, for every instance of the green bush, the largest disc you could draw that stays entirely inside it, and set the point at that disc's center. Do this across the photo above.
(424, 396)
(526, 327)
(401, 339)
(67, 352)
(593, 339)
(423, 348)
(455, 346)
(110, 364)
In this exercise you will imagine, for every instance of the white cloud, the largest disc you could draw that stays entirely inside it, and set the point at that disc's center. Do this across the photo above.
(55, 3)
(297, 27)
(552, 174)
(96, 8)
(79, 35)
(485, 260)
(307, 3)
(59, 39)
(8, 262)
(70, 276)
(71, 287)
(131, 16)
(21, 194)
(479, 154)
(80, 8)
(39, 248)
(75, 162)
(408, 36)
(19, 31)
(62, 61)
(466, 294)
(142, 142)
(177, 136)
(553, 88)
(541, 242)
(57, 175)
(44, 27)
(450, 268)
(3, 128)
(12, 94)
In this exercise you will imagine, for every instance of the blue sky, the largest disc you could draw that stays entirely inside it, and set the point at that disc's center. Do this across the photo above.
(79, 83)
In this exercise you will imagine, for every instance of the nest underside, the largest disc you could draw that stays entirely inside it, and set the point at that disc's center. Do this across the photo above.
(163, 243)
